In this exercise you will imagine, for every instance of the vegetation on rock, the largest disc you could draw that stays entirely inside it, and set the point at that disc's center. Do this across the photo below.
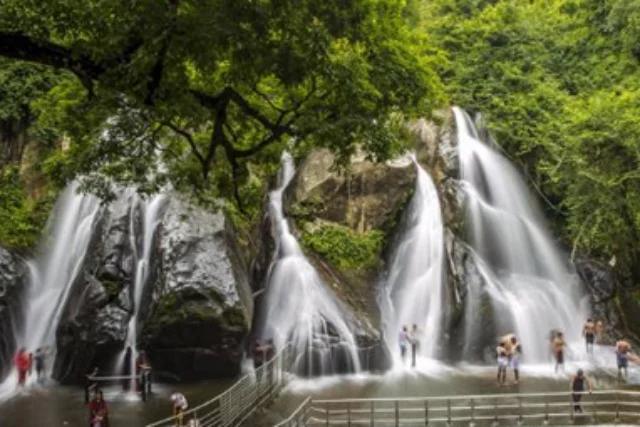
(343, 247)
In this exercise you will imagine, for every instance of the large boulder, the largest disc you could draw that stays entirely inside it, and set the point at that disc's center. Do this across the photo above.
(94, 325)
(202, 305)
(13, 280)
(344, 220)
(195, 304)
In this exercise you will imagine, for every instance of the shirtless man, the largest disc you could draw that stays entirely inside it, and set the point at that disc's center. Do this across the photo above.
(589, 332)
(516, 352)
(623, 351)
(599, 330)
(558, 351)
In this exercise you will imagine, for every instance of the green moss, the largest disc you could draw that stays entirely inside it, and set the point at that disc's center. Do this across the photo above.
(343, 247)
(112, 288)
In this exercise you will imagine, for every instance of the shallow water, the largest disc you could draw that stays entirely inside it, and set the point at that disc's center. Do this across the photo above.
(433, 379)
(64, 406)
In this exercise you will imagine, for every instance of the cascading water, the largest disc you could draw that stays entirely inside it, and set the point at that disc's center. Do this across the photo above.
(414, 289)
(53, 273)
(151, 212)
(531, 286)
(299, 309)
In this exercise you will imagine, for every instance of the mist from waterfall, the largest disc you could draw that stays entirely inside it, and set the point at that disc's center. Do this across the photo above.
(53, 272)
(415, 286)
(150, 211)
(299, 308)
(529, 282)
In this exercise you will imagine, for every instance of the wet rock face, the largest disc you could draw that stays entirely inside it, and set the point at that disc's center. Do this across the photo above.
(611, 303)
(93, 328)
(202, 304)
(196, 305)
(364, 201)
(13, 279)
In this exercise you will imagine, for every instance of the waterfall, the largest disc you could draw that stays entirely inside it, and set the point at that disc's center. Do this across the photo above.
(299, 308)
(151, 211)
(53, 273)
(415, 285)
(528, 280)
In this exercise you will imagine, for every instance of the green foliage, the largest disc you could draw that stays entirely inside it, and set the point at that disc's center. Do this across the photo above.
(556, 81)
(21, 218)
(345, 248)
(214, 90)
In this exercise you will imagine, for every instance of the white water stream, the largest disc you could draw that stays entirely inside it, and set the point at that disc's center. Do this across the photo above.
(150, 212)
(415, 287)
(52, 274)
(299, 308)
(531, 286)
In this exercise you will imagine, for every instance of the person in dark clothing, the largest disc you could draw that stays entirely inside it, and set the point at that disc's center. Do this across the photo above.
(40, 358)
(578, 383)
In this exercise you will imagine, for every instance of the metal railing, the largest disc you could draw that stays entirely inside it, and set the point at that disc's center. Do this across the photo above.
(536, 408)
(233, 406)
(140, 383)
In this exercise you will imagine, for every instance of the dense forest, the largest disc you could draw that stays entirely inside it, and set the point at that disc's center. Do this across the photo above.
(205, 95)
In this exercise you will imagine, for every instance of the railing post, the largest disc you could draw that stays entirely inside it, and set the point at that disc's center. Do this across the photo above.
(397, 413)
(326, 414)
(426, 412)
(546, 410)
(472, 412)
(448, 411)
(519, 410)
(348, 413)
(495, 411)
(595, 407)
(617, 408)
(372, 421)
(572, 408)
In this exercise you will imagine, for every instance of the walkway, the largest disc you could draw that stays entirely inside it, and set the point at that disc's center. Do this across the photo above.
(604, 406)
(236, 404)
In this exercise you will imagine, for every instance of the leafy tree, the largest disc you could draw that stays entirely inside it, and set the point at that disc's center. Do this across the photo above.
(205, 88)
(557, 83)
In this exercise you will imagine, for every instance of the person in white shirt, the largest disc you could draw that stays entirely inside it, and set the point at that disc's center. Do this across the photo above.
(403, 340)
(180, 405)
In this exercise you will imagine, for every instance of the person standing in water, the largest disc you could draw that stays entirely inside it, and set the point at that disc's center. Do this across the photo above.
(516, 352)
(403, 340)
(589, 332)
(415, 344)
(577, 385)
(503, 363)
(39, 358)
(98, 411)
(599, 330)
(623, 349)
(558, 351)
(21, 361)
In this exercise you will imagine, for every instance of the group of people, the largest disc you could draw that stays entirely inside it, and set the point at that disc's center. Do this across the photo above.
(25, 362)
(509, 350)
(408, 339)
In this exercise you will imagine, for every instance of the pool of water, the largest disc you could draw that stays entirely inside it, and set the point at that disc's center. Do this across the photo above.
(64, 406)
(441, 380)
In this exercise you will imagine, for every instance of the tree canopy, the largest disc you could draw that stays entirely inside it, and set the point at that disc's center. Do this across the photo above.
(197, 91)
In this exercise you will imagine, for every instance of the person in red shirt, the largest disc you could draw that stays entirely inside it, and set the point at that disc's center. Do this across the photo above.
(22, 365)
(98, 411)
